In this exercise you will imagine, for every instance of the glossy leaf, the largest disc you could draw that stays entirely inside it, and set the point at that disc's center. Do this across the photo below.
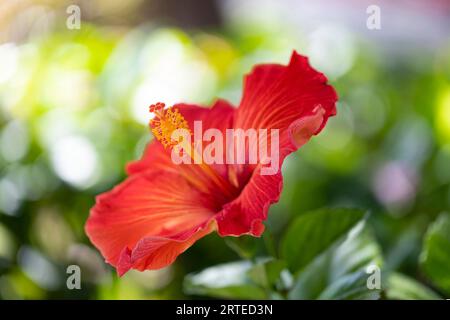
(402, 287)
(435, 256)
(227, 281)
(341, 273)
(313, 233)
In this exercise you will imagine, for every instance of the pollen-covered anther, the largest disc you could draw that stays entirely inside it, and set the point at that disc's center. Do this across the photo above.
(165, 122)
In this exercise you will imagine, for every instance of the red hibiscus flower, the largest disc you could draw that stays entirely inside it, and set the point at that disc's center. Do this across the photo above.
(162, 208)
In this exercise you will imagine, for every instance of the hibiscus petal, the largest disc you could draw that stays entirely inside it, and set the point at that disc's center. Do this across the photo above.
(245, 214)
(158, 252)
(294, 99)
(219, 116)
(276, 96)
(148, 220)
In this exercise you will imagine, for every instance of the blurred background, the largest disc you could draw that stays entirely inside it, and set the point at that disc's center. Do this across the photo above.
(73, 112)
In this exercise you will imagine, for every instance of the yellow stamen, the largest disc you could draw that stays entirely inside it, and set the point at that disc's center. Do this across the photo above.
(165, 122)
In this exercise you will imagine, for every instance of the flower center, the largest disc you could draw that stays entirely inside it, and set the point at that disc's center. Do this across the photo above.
(165, 122)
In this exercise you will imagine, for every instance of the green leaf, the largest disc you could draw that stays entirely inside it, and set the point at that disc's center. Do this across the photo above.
(340, 273)
(435, 256)
(245, 246)
(267, 273)
(249, 247)
(351, 286)
(401, 287)
(229, 281)
(312, 280)
(313, 233)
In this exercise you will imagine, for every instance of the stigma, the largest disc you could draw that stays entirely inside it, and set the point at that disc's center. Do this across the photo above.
(165, 122)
